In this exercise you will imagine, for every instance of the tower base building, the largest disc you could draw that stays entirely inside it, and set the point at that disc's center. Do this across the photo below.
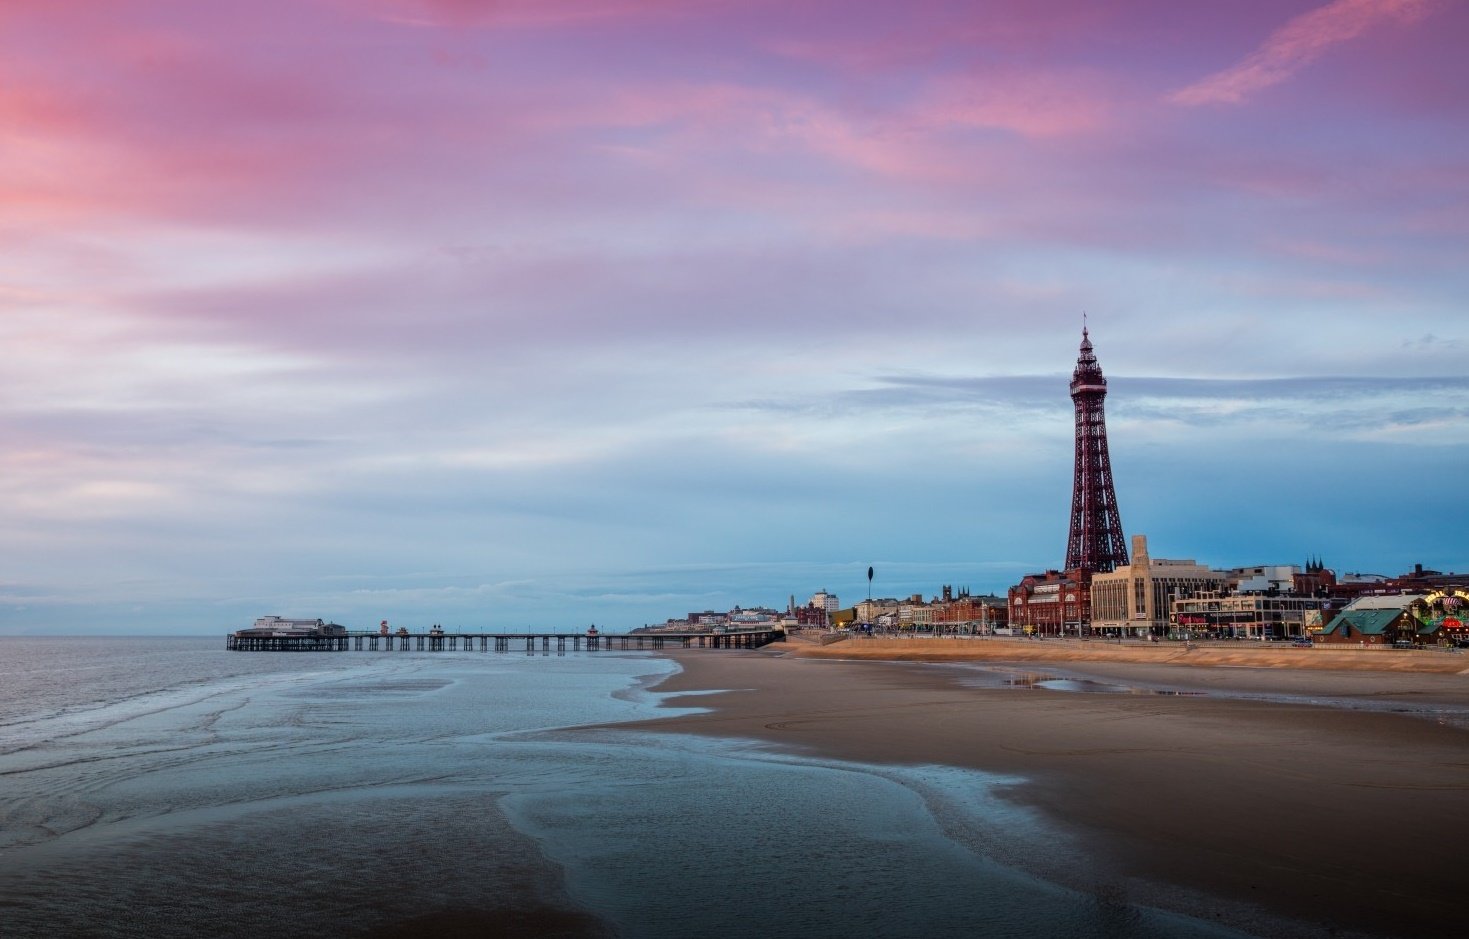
(1055, 603)
(1136, 599)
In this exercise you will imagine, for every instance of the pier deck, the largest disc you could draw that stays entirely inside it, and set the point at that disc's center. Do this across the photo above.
(502, 642)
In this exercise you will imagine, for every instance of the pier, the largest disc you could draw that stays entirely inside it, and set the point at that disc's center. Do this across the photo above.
(529, 643)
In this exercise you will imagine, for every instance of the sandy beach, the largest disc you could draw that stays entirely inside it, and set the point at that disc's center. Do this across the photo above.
(1200, 782)
(1198, 654)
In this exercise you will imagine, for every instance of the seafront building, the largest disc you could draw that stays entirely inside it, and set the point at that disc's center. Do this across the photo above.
(1436, 618)
(279, 627)
(1246, 616)
(964, 613)
(739, 619)
(1263, 578)
(882, 611)
(1379, 620)
(821, 611)
(823, 600)
(950, 613)
(1053, 603)
(757, 618)
(1418, 580)
(915, 613)
(1136, 598)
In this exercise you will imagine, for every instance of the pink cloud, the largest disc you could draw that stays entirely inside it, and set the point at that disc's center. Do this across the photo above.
(220, 121)
(927, 137)
(1326, 252)
(1296, 44)
(354, 130)
(515, 13)
(151, 123)
(922, 32)
(1028, 102)
(711, 130)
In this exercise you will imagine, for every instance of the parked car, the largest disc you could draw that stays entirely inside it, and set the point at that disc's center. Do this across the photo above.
(1302, 643)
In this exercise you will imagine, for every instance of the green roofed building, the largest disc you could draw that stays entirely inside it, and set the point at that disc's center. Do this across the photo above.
(1378, 621)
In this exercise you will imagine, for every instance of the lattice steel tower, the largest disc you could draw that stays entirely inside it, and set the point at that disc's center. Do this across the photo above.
(1095, 543)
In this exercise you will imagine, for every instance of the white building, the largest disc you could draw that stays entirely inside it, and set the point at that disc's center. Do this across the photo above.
(280, 626)
(752, 619)
(825, 601)
(281, 623)
(1264, 578)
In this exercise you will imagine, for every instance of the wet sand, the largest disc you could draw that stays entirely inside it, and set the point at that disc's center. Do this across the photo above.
(1340, 819)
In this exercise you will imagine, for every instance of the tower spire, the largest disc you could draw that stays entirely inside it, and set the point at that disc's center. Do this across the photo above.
(1095, 542)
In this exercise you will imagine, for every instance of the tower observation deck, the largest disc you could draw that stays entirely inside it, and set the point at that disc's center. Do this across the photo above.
(1095, 543)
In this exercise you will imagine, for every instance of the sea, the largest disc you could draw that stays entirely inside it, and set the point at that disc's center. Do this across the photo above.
(171, 788)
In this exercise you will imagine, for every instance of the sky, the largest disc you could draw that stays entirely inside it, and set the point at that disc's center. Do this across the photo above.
(539, 313)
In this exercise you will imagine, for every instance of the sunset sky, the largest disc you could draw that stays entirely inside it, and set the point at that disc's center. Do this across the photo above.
(500, 313)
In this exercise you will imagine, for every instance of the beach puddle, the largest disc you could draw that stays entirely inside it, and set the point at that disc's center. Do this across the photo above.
(1087, 686)
(1029, 681)
(1084, 686)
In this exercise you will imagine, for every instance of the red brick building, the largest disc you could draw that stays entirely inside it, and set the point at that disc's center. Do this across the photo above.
(964, 609)
(1055, 603)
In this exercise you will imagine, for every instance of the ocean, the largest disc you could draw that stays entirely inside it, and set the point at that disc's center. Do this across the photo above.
(168, 787)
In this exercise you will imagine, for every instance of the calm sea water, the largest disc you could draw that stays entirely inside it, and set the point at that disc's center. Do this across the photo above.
(167, 787)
